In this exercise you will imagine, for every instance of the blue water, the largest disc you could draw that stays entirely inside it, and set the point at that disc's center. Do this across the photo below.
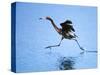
(33, 35)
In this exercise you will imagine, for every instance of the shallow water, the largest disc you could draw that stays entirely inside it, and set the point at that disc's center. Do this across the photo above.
(83, 60)
(33, 35)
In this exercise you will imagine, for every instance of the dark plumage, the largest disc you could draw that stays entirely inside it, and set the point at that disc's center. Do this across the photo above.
(67, 27)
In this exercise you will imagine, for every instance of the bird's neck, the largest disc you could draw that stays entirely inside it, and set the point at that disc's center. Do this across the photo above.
(54, 25)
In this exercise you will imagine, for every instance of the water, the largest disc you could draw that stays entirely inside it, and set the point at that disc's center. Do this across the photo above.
(33, 35)
(80, 61)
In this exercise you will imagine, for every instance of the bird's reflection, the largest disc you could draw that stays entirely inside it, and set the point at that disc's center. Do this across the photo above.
(66, 63)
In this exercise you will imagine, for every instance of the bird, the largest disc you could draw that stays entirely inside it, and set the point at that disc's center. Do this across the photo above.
(67, 32)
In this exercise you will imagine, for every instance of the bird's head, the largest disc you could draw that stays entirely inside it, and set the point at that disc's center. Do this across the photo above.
(48, 18)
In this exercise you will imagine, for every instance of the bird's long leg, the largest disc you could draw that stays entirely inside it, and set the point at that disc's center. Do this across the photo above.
(55, 45)
(79, 45)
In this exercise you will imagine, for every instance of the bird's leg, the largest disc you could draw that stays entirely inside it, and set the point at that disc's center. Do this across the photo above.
(55, 45)
(79, 45)
(60, 41)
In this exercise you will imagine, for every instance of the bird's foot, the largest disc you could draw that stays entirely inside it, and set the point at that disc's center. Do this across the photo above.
(48, 47)
(52, 46)
(82, 49)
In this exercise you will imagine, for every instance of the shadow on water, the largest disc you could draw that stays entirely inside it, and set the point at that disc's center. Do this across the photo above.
(66, 63)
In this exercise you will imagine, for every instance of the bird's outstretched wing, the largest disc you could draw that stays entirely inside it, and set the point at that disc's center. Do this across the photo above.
(67, 26)
(71, 27)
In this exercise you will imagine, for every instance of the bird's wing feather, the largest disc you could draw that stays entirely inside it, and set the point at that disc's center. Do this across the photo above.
(72, 29)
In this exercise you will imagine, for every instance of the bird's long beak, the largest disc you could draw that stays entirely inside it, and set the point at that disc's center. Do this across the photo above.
(42, 18)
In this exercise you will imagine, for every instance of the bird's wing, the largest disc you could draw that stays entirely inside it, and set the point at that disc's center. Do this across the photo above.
(72, 29)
